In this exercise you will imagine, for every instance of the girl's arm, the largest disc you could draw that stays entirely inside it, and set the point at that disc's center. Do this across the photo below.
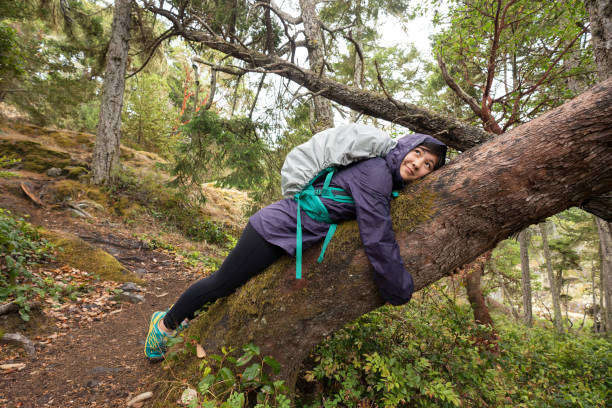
(372, 195)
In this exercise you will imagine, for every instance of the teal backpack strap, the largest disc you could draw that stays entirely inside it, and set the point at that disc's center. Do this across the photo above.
(328, 237)
(298, 244)
(309, 200)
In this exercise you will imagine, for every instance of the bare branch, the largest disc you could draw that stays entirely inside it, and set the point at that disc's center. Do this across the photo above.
(382, 85)
(281, 14)
(167, 34)
(457, 89)
(335, 30)
(261, 82)
(232, 70)
(359, 52)
(213, 87)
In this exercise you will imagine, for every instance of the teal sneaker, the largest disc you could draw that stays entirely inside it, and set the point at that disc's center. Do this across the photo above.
(155, 344)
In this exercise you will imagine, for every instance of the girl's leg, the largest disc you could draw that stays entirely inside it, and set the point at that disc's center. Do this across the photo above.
(251, 255)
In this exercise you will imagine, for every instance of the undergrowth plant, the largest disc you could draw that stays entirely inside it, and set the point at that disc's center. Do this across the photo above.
(172, 206)
(235, 380)
(6, 161)
(20, 247)
(430, 354)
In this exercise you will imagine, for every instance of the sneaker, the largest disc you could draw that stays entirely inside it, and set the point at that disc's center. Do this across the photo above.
(155, 344)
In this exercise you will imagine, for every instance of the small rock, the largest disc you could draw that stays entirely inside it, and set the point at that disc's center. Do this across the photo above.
(130, 297)
(130, 287)
(93, 383)
(19, 339)
(54, 172)
(15, 366)
(189, 396)
(141, 397)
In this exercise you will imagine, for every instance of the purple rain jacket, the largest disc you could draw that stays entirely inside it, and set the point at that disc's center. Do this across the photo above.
(371, 183)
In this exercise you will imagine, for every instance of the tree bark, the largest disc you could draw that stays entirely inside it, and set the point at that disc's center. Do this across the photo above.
(441, 222)
(600, 16)
(605, 241)
(523, 239)
(554, 287)
(106, 150)
(324, 117)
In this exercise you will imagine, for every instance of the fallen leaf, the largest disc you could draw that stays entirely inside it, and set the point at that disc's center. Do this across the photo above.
(200, 352)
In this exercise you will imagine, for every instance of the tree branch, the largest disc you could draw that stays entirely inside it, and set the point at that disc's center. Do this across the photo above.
(213, 86)
(457, 89)
(455, 133)
(281, 14)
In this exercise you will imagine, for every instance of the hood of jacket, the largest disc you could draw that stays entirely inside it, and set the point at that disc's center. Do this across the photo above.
(404, 146)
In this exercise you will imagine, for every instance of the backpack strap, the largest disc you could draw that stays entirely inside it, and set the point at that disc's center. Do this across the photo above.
(309, 199)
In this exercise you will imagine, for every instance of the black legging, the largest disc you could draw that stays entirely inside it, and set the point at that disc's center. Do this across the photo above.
(251, 255)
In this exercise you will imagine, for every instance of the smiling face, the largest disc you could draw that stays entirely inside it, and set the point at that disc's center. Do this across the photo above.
(418, 163)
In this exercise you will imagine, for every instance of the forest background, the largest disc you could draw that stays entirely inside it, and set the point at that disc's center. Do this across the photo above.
(215, 118)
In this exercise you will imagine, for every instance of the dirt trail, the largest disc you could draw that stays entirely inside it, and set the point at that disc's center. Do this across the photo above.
(98, 363)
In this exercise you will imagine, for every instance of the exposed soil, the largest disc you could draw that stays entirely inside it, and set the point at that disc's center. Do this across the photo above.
(96, 361)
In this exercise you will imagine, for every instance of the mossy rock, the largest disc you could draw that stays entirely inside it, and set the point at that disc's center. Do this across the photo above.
(69, 139)
(75, 172)
(34, 156)
(74, 190)
(81, 255)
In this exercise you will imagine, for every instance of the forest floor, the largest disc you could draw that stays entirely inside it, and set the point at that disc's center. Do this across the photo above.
(89, 351)
(98, 362)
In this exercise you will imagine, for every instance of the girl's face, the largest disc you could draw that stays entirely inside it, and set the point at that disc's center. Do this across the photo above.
(418, 163)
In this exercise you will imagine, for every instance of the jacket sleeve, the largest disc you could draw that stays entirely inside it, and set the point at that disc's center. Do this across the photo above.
(372, 195)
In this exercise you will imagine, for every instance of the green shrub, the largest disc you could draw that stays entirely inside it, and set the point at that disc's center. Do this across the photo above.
(235, 380)
(430, 354)
(20, 247)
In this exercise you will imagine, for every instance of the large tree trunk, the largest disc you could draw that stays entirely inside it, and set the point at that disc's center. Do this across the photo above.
(605, 241)
(554, 287)
(523, 239)
(106, 151)
(442, 222)
(600, 16)
(316, 56)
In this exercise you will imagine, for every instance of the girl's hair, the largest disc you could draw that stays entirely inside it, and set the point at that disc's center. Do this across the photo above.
(436, 149)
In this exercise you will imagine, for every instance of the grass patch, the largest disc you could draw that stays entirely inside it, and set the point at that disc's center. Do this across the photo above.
(131, 193)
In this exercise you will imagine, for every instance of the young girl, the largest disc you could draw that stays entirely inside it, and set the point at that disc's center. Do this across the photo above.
(271, 233)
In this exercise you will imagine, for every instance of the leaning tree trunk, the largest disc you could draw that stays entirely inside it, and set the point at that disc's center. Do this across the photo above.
(441, 223)
(554, 290)
(106, 150)
(525, 277)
